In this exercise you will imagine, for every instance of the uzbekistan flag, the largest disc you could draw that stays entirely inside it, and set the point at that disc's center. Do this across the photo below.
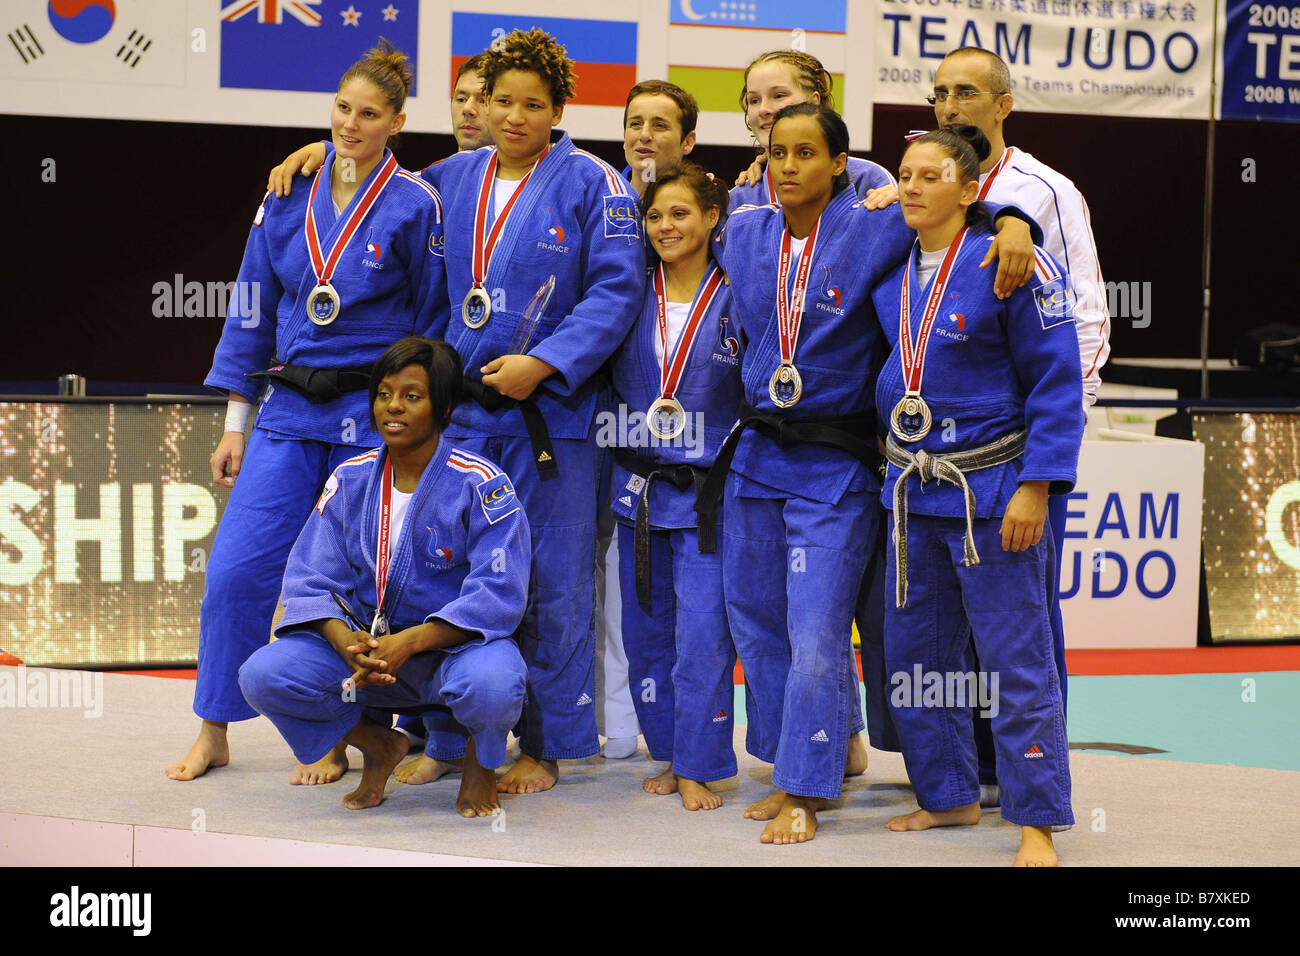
(704, 34)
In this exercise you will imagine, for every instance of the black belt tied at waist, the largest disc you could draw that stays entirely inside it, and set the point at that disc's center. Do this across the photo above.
(539, 436)
(320, 385)
(950, 468)
(854, 434)
(682, 476)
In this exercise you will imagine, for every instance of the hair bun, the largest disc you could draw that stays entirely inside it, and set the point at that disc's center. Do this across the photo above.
(978, 141)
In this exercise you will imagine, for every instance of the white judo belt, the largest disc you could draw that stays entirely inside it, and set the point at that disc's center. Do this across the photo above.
(950, 468)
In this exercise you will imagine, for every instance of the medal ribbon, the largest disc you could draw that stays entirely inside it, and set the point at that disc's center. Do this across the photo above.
(913, 356)
(670, 374)
(789, 307)
(993, 173)
(324, 266)
(483, 249)
(381, 550)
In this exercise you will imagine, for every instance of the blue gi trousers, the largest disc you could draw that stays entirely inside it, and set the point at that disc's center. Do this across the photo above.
(870, 618)
(277, 486)
(1003, 602)
(297, 682)
(792, 570)
(681, 662)
(557, 636)
(1056, 508)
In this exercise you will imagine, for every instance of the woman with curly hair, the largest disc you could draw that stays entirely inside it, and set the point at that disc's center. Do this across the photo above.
(546, 273)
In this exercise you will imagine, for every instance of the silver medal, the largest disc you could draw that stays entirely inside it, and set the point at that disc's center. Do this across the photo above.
(785, 387)
(666, 418)
(912, 407)
(476, 309)
(323, 305)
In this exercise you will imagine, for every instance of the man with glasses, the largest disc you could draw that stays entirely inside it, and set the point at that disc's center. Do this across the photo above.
(972, 87)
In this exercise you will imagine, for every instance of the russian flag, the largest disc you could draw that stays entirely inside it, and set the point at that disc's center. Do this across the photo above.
(604, 50)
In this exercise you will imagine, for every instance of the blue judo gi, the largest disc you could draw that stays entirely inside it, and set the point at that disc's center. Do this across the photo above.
(992, 367)
(798, 517)
(392, 284)
(679, 650)
(864, 175)
(576, 219)
(462, 559)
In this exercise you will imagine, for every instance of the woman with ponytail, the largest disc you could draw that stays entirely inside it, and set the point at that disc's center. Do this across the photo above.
(981, 396)
(331, 276)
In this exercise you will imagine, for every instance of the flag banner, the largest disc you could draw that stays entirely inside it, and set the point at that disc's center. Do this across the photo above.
(131, 43)
(268, 62)
(1113, 57)
(603, 51)
(710, 42)
(1259, 63)
(309, 44)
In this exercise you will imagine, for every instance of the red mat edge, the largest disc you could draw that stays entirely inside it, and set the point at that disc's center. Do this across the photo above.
(1085, 662)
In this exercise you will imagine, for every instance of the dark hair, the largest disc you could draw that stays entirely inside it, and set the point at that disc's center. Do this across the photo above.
(833, 129)
(709, 192)
(473, 65)
(388, 68)
(440, 362)
(533, 52)
(968, 147)
(686, 104)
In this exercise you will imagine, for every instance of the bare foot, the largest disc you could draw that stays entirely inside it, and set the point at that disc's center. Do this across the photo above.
(966, 816)
(766, 808)
(210, 750)
(855, 764)
(662, 783)
(424, 769)
(326, 770)
(1036, 847)
(382, 747)
(529, 775)
(478, 787)
(697, 796)
(796, 822)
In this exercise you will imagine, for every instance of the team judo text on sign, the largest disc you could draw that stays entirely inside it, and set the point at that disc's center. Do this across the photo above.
(1132, 549)
(1111, 57)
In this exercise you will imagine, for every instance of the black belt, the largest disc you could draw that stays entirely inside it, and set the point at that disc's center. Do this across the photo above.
(321, 385)
(682, 476)
(538, 434)
(854, 434)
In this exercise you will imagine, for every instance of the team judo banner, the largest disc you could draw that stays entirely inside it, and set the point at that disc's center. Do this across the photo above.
(1110, 57)
(1131, 560)
(1259, 69)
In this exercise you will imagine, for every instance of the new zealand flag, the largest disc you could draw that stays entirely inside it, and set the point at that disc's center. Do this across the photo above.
(308, 44)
